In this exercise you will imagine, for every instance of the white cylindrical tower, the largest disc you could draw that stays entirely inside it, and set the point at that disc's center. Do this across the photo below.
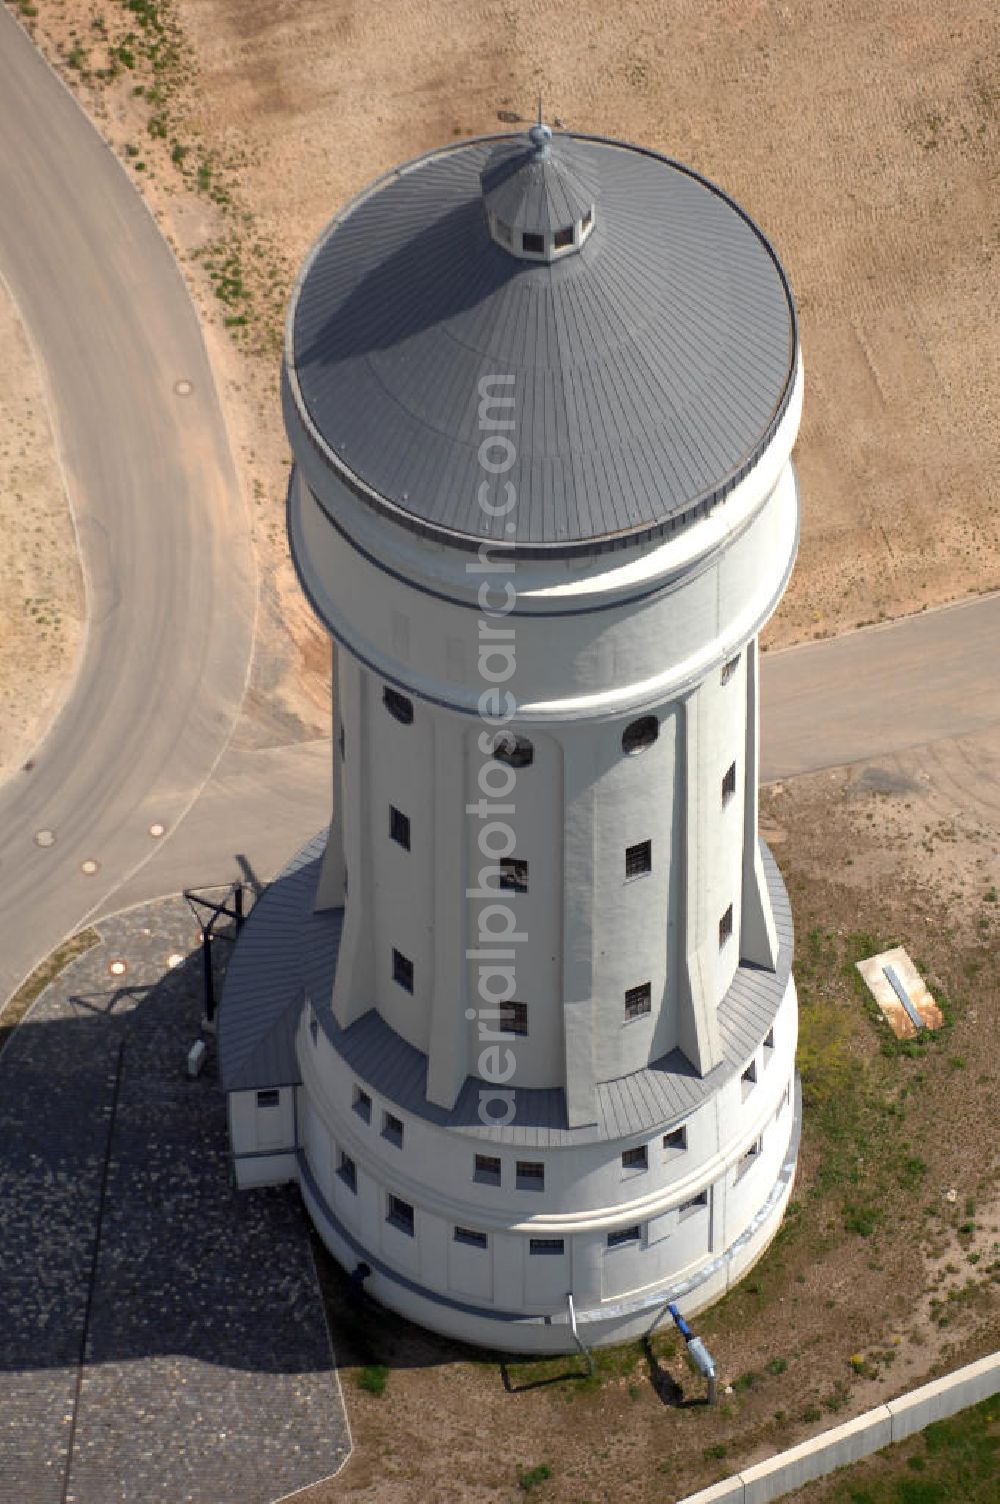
(538, 1016)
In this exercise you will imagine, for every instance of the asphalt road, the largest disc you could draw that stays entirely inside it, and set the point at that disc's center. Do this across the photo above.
(163, 531)
(859, 698)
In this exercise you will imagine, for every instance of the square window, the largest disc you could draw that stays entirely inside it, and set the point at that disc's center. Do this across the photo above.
(392, 1129)
(689, 1208)
(348, 1172)
(514, 1018)
(362, 1105)
(725, 926)
(399, 827)
(676, 1141)
(513, 875)
(747, 1159)
(638, 1000)
(546, 1245)
(400, 1214)
(402, 970)
(729, 783)
(532, 243)
(487, 1170)
(398, 706)
(729, 669)
(470, 1238)
(268, 1098)
(638, 859)
(563, 238)
(635, 1159)
(530, 1175)
(623, 1236)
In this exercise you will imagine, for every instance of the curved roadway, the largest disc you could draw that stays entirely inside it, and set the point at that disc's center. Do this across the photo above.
(162, 527)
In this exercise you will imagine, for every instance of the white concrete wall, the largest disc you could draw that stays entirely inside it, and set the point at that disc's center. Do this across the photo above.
(598, 642)
(587, 1194)
(856, 1438)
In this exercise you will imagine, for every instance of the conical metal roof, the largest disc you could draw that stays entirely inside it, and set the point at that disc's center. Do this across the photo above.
(649, 368)
(531, 185)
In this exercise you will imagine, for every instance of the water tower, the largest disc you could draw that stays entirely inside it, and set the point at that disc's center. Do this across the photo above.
(522, 1023)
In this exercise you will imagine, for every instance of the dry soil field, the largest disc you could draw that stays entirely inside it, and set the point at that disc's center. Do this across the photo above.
(41, 591)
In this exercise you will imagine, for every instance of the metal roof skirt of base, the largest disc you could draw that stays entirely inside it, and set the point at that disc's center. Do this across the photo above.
(649, 362)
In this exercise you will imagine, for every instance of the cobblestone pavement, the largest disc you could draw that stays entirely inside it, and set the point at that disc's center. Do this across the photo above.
(207, 1372)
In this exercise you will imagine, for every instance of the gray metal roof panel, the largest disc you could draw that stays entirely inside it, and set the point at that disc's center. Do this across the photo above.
(668, 342)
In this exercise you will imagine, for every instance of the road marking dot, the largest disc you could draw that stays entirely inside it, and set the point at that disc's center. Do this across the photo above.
(174, 959)
(89, 866)
(156, 829)
(45, 837)
(118, 968)
(183, 388)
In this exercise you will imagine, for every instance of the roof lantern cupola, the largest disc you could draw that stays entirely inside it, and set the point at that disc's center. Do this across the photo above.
(539, 204)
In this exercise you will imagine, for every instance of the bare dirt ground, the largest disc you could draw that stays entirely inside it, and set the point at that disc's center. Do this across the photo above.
(41, 588)
(863, 139)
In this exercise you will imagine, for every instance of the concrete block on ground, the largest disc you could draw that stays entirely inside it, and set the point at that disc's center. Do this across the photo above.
(821, 1454)
(944, 1397)
(729, 1491)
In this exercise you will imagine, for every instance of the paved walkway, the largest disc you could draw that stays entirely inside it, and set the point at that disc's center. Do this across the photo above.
(207, 1373)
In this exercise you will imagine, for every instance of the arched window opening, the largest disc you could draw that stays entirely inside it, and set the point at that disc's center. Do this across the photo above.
(640, 734)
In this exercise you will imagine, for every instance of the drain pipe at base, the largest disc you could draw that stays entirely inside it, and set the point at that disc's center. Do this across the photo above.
(585, 1350)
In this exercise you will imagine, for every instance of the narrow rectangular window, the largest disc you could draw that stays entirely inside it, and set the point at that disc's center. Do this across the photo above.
(348, 1172)
(768, 1045)
(392, 1129)
(638, 859)
(635, 1159)
(689, 1208)
(729, 783)
(546, 1245)
(624, 1235)
(269, 1097)
(362, 1105)
(513, 875)
(340, 739)
(400, 1214)
(676, 1141)
(725, 926)
(729, 669)
(747, 1159)
(638, 1000)
(399, 827)
(314, 1030)
(514, 1018)
(487, 1170)
(402, 970)
(530, 1175)
(748, 1080)
(470, 1238)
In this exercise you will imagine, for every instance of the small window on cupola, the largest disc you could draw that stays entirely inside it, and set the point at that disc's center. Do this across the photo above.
(563, 238)
(533, 243)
